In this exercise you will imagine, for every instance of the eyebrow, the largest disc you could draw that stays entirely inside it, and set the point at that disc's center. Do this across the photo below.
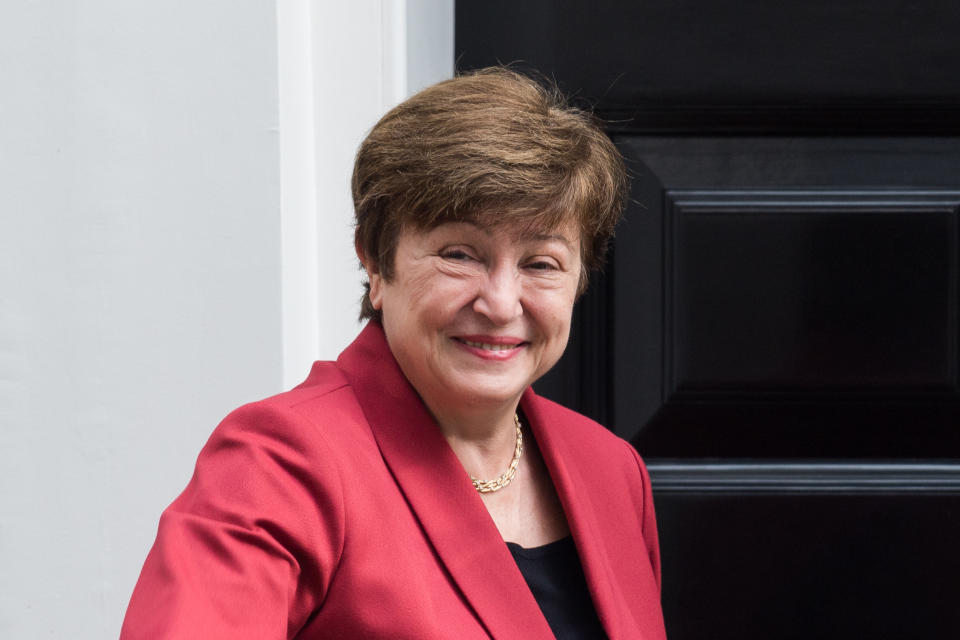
(544, 237)
(533, 236)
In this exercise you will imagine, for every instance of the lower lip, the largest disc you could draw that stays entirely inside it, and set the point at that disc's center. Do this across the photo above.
(497, 356)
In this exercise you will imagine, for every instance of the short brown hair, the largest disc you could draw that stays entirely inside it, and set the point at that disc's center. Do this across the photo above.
(491, 146)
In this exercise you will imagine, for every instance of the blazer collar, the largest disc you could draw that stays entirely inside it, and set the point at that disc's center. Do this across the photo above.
(440, 493)
(587, 532)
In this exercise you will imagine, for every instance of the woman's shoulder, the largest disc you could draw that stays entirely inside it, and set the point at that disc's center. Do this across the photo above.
(576, 431)
(325, 379)
(308, 411)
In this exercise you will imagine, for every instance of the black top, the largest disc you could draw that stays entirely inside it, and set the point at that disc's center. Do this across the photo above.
(555, 577)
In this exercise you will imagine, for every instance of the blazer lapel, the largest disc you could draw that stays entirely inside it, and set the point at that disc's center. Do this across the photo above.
(440, 493)
(581, 517)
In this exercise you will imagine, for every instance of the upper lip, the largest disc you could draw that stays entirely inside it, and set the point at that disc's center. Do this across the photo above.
(498, 340)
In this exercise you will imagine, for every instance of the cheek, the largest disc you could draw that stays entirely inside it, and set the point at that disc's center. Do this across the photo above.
(553, 311)
(437, 296)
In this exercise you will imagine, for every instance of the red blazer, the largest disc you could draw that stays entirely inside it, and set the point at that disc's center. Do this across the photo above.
(337, 510)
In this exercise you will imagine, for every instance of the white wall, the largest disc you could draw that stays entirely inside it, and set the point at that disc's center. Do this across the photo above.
(147, 260)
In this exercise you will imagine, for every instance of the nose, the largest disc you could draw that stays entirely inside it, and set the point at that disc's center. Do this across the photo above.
(499, 295)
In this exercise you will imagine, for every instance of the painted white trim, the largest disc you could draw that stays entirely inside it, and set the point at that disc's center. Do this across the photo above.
(342, 66)
(393, 28)
(300, 273)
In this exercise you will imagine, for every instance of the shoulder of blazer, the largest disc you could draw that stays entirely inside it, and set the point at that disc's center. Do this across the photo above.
(599, 456)
(323, 406)
(324, 378)
(578, 432)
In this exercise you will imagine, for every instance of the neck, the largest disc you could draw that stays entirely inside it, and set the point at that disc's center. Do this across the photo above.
(483, 441)
(476, 426)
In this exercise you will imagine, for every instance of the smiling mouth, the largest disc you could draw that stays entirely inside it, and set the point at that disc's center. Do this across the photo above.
(490, 347)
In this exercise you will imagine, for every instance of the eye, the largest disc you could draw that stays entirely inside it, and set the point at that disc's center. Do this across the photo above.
(542, 265)
(455, 254)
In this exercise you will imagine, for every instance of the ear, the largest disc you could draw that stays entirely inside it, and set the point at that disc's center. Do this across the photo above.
(373, 277)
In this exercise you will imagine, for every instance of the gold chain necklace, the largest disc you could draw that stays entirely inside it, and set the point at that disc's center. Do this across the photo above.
(489, 486)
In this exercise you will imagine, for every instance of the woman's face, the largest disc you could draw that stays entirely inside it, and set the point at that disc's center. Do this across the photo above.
(474, 314)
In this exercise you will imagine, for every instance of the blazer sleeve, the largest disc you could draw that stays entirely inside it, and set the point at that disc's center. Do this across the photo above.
(249, 548)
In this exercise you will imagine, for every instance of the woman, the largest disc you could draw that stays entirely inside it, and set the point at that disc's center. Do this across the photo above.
(417, 487)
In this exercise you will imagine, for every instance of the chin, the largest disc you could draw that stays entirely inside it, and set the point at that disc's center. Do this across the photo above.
(489, 393)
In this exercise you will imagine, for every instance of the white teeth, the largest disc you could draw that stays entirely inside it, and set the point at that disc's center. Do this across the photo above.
(490, 347)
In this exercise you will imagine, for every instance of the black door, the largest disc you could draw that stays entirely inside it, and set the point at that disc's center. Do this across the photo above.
(777, 328)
